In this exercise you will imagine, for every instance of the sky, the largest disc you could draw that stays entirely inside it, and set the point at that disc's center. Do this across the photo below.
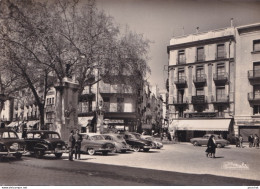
(160, 20)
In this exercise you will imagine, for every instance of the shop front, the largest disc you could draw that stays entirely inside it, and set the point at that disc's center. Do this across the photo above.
(186, 129)
(248, 127)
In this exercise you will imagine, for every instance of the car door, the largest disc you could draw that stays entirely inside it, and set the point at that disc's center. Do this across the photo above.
(29, 142)
(204, 140)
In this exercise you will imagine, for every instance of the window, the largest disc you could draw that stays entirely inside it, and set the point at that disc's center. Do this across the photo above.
(256, 109)
(256, 45)
(181, 75)
(220, 51)
(256, 91)
(106, 105)
(199, 72)
(180, 96)
(199, 91)
(120, 104)
(220, 111)
(200, 53)
(181, 57)
(220, 93)
(257, 69)
(220, 71)
(180, 113)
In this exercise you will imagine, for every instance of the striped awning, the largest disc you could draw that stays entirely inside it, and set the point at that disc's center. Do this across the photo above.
(201, 125)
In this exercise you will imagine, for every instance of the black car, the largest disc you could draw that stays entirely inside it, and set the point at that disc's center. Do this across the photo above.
(137, 143)
(45, 142)
(10, 144)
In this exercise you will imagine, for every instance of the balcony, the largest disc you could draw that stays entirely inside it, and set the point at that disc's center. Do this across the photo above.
(180, 101)
(181, 60)
(199, 80)
(180, 81)
(200, 99)
(220, 78)
(252, 97)
(220, 56)
(201, 115)
(220, 100)
(254, 75)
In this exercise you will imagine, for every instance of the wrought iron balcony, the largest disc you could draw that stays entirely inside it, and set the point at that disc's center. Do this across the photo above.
(254, 75)
(200, 99)
(200, 79)
(252, 97)
(220, 100)
(180, 81)
(220, 78)
(202, 115)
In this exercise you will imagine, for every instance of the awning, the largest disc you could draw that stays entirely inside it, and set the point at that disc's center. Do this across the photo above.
(32, 123)
(201, 125)
(14, 123)
(83, 121)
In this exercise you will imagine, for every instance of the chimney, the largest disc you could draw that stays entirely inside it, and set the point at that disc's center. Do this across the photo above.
(231, 22)
(197, 30)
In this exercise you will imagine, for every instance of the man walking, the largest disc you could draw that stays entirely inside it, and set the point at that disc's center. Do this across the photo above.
(250, 140)
(71, 145)
(78, 139)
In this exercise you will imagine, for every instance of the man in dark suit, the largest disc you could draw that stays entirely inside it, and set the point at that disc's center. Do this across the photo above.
(78, 139)
(71, 145)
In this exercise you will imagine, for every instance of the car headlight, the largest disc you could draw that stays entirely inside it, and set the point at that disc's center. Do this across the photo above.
(14, 146)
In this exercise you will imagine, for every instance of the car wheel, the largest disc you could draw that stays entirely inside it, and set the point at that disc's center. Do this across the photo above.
(219, 146)
(104, 153)
(91, 151)
(58, 155)
(18, 156)
(136, 148)
(195, 143)
(146, 150)
(38, 154)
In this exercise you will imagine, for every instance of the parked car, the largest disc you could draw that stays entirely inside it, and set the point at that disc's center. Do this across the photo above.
(140, 136)
(136, 143)
(41, 142)
(158, 144)
(220, 142)
(10, 144)
(93, 142)
(119, 142)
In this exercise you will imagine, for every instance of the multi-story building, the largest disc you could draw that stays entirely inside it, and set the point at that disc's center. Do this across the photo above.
(201, 83)
(247, 90)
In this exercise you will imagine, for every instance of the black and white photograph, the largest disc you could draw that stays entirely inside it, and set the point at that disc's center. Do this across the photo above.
(108, 93)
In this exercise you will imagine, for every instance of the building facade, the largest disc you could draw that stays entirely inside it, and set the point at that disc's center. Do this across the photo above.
(247, 91)
(201, 83)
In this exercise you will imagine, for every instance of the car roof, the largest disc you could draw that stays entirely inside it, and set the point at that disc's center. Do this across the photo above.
(42, 131)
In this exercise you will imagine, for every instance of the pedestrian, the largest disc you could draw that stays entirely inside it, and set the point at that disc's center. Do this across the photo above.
(78, 139)
(250, 140)
(71, 145)
(3, 125)
(256, 141)
(24, 129)
(240, 141)
(211, 147)
(237, 141)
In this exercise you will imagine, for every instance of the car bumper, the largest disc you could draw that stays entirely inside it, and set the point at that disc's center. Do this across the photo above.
(12, 153)
(148, 147)
(57, 151)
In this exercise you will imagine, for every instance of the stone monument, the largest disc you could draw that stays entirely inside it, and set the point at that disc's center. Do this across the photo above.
(66, 109)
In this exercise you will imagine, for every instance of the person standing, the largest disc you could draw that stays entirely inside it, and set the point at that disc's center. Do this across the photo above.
(256, 141)
(250, 140)
(78, 139)
(211, 147)
(240, 141)
(71, 145)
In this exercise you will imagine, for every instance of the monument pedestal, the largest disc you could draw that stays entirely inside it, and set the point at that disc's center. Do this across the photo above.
(66, 118)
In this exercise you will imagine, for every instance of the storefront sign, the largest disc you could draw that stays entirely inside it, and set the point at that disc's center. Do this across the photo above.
(248, 122)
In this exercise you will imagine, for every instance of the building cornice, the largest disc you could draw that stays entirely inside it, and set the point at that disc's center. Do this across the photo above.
(248, 28)
(200, 42)
(209, 62)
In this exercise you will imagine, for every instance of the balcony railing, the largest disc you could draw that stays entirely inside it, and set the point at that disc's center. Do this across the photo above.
(199, 99)
(252, 97)
(220, 78)
(180, 101)
(180, 81)
(202, 115)
(199, 79)
(253, 74)
(220, 99)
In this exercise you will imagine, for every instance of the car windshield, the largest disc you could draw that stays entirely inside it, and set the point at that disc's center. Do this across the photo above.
(51, 135)
(9, 134)
(137, 135)
(97, 137)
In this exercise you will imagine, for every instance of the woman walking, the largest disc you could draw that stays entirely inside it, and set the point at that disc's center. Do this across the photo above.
(211, 147)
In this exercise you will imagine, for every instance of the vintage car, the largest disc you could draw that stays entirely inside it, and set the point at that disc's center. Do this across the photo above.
(136, 143)
(93, 142)
(10, 144)
(158, 144)
(41, 142)
(119, 142)
(220, 142)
